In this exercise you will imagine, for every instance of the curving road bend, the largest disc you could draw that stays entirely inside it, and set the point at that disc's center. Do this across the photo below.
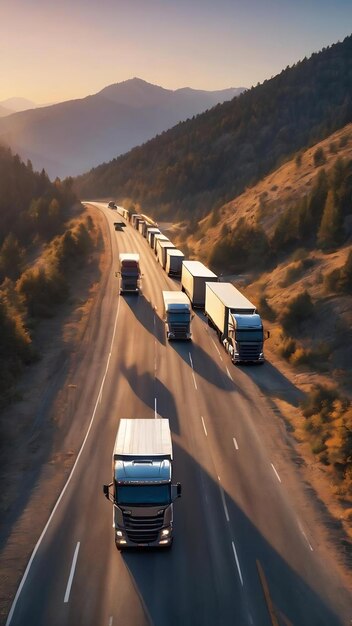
(242, 554)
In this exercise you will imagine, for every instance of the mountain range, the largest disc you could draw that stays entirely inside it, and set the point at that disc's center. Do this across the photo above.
(206, 161)
(71, 137)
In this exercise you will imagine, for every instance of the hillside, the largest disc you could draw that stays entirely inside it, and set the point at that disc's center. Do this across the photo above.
(206, 161)
(287, 243)
(70, 137)
(37, 250)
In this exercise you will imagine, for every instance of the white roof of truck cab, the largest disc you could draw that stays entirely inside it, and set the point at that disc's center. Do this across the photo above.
(231, 297)
(143, 438)
(129, 256)
(175, 297)
(196, 268)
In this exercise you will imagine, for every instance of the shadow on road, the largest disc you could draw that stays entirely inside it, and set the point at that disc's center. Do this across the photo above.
(145, 314)
(203, 364)
(274, 384)
(147, 388)
(197, 582)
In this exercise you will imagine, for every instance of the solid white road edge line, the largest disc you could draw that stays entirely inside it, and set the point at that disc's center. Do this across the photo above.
(237, 563)
(72, 572)
(235, 442)
(190, 359)
(205, 430)
(155, 409)
(304, 535)
(37, 546)
(111, 619)
(224, 502)
(228, 373)
(277, 475)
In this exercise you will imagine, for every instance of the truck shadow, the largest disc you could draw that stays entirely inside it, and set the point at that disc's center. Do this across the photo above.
(273, 383)
(198, 581)
(147, 389)
(203, 364)
(143, 311)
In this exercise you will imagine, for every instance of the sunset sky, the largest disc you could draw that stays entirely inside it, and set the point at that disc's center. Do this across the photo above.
(54, 50)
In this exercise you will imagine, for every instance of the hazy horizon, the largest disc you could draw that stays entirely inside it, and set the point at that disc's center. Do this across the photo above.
(61, 51)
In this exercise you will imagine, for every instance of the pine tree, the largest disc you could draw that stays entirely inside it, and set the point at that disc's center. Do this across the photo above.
(330, 233)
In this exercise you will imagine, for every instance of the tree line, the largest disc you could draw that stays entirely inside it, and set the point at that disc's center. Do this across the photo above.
(38, 250)
(204, 162)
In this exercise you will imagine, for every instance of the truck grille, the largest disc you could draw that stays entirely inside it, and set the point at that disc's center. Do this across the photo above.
(143, 529)
(180, 331)
(250, 351)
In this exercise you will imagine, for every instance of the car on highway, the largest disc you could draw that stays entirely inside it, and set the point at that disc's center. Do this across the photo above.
(112, 205)
(119, 225)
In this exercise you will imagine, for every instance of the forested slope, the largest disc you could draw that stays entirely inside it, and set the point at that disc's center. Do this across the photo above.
(206, 161)
(37, 252)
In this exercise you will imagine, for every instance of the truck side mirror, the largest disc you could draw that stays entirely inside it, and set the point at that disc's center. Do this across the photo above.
(107, 492)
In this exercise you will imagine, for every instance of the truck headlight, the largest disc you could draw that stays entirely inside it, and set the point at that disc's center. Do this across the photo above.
(119, 533)
(165, 532)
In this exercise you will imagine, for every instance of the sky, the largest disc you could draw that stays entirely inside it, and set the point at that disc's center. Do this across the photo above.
(55, 50)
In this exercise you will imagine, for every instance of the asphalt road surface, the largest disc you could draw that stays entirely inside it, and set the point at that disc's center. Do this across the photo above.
(242, 553)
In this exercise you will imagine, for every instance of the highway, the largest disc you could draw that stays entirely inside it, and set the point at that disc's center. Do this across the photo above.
(243, 553)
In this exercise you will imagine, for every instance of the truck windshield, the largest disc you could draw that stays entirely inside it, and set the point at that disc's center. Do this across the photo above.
(178, 317)
(249, 335)
(139, 495)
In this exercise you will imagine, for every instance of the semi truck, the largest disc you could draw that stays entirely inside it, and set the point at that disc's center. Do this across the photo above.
(193, 278)
(177, 315)
(174, 260)
(141, 489)
(238, 325)
(130, 273)
(161, 249)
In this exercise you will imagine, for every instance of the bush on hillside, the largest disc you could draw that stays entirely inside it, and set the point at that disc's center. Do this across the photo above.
(319, 157)
(266, 310)
(298, 310)
(319, 401)
(244, 248)
(340, 279)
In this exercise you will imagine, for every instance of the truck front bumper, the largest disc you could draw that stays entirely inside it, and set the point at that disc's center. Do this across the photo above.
(164, 540)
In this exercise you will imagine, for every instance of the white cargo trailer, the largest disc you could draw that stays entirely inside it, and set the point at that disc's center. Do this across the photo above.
(174, 260)
(236, 321)
(161, 249)
(193, 278)
(151, 232)
(141, 226)
(160, 236)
